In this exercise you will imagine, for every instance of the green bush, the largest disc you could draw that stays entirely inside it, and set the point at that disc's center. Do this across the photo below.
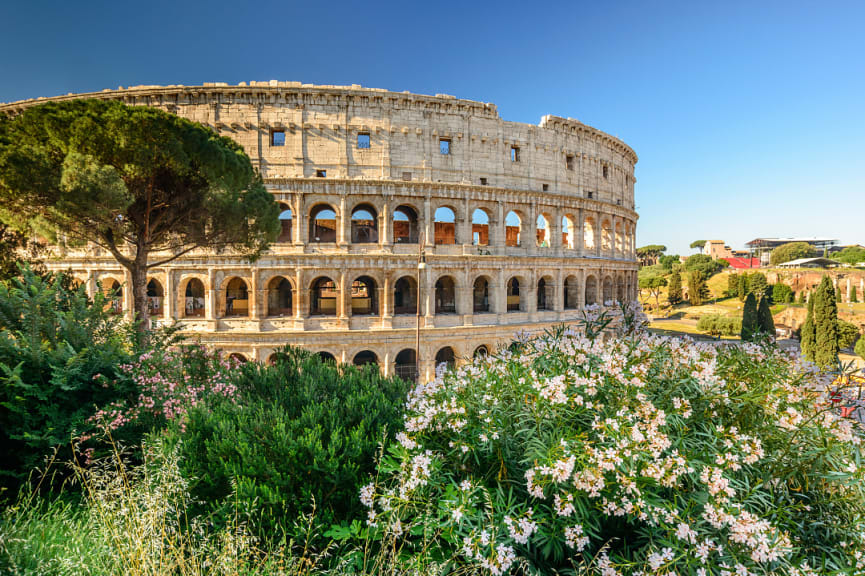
(718, 325)
(56, 346)
(298, 430)
(704, 264)
(635, 455)
(848, 334)
(860, 348)
(782, 294)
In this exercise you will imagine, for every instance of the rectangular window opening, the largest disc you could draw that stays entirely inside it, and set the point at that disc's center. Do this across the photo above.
(546, 187)
(321, 173)
(406, 176)
(591, 194)
(569, 162)
(483, 181)
(515, 153)
(445, 146)
(363, 140)
(606, 172)
(277, 138)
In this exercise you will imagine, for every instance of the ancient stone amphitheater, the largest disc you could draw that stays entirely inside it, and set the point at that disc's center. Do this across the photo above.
(516, 226)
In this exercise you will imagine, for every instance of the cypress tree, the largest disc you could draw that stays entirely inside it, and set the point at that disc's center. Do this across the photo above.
(697, 289)
(733, 285)
(838, 295)
(674, 288)
(765, 322)
(825, 325)
(749, 319)
(758, 284)
(801, 298)
(742, 286)
(807, 334)
(853, 297)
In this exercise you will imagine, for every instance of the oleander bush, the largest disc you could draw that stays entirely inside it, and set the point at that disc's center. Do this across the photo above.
(629, 455)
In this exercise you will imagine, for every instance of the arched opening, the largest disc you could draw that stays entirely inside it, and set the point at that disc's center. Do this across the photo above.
(365, 357)
(606, 236)
(271, 360)
(405, 296)
(446, 356)
(608, 289)
(513, 228)
(279, 297)
(545, 294)
(364, 225)
(513, 295)
(620, 289)
(571, 293)
(326, 357)
(481, 351)
(323, 297)
(542, 232)
(445, 295)
(568, 232)
(405, 226)
(193, 304)
(481, 295)
(323, 224)
(236, 298)
(285, 221)
(589, 233)
(405, 365)
(480, 228)
(364, 296)
(591, 290)
(154, 297)
(445, 226)
(238, 358)
(113, 292)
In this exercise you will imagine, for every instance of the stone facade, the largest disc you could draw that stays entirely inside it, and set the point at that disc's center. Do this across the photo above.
(520, 225)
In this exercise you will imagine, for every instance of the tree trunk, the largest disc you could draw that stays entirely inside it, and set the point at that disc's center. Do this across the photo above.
(140, 307)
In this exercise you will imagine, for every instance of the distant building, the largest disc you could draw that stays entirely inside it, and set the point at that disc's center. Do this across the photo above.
(717, 249)
(809, 263)
(762, 247)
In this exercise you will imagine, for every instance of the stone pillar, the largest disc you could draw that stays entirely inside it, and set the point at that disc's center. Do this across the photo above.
(427, 226)
(255, 296)
(343, 228)
(497, 232)
(529, 231)
(90, 283)
(579, 239)
(555, 232)
(210, 304)
(344, 304)
(559, 292)
(300, 300)
(529, 296)
(429, 297)
(385, 300)
(385, 236)
(581, 289)
(169, 302)
(598, 233)
(499, 294)
(301, 221)
(465, 303)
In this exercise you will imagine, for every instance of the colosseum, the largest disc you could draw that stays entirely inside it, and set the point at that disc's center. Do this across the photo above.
(406, 219)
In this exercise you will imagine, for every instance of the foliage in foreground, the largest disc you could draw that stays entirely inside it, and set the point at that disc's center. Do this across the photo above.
(54, 344)
(634, 455)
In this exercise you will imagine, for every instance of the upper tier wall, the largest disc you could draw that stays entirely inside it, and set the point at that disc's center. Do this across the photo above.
(321, 125)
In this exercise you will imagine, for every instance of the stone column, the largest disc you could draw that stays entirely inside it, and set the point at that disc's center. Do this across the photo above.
(427, 226)
(429, 297)
(598, 233)
(300, 301)
(465, 303)
(499, 294)
(530, 297)
(559, 292)
(210, 304)
(555, 232)
(343, 228)
(579, 239)
(581, 289)
(529, 232)
(169, 302)
(497, 232)
(344, 304)
(385, 300)
(301, 222)
(255, 295)
(90, 283)
(385, 236)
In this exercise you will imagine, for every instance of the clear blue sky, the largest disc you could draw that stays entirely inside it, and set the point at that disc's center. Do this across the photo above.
(748, 117)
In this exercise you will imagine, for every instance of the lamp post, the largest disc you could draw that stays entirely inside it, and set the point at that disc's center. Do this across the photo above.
(421, 265)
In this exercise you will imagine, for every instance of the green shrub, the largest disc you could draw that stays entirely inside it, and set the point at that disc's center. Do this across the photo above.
(718, 325)
(640, 454)
(847, 334)
(300, 429)
(704, 264)
(782, 294)
(860, 348)
(55, 345)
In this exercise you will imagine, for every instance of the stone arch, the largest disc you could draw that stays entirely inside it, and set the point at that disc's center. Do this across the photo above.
(406, 227)
(364, 224)
(589, 227)
(280, 296)
(444, 225)
(571, 292)
(569, 232)
(364, 296)
(481, 295)
(514, 228)
(480, 227)
(608, 289)
(323, 223)
(543, 230)
(546, 293)
(446, 355)
(405, 365)
(238, 357)
(286, 217)
(192, 291)
(236, 300)
(114, 292)
(446, 295)
(515, 289)
(405, 295)
(365, 357)
(323, 297)
(155, 297)
(326, 356)
(591, 290)
(481, 351)
(606, 236)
